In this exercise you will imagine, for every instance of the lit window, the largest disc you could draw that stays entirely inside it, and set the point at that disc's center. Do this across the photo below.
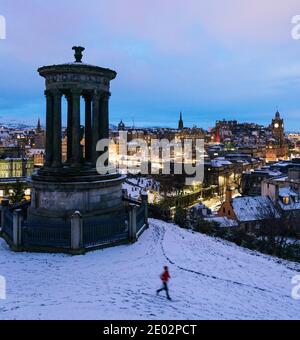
(286, 200)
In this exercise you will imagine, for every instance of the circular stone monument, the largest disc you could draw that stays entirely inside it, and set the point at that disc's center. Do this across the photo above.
(59, 189)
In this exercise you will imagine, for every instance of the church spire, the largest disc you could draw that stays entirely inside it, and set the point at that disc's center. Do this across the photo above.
(180, 124)
(39, 127)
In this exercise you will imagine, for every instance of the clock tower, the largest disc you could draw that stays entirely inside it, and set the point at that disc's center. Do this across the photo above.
(278, 128)
(277, 146)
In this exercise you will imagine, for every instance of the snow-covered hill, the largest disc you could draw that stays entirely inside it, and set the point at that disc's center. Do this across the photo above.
(211, 279)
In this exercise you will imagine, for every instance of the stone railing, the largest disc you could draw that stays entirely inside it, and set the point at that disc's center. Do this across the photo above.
(78, 234)
(11, 224)
(138, 216)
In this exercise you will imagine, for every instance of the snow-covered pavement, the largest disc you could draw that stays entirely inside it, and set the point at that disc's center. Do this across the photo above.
(211, 279)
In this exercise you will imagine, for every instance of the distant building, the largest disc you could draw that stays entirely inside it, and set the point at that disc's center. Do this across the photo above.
(38, 156)
(285, 166)
(279, 201)
(39, 137)
(121, 126)
(14, 163)
(271, 187)
(248, 212)
(16, 167)
(252, 180)
(269, 142)
(148, 136)
(285, 194)
(227, 171)
(198, 212)
(11, 152)
(277, 146)
(39, 127)
(180, 123)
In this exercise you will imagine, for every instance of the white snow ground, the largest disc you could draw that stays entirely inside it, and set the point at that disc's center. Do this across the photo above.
(211, 279)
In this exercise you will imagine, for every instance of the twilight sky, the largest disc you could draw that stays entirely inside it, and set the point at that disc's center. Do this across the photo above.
(211, 59)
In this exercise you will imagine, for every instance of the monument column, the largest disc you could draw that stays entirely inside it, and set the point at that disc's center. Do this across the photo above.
(96, 127)
(88, 129)
(57, 148)
(104, 118)
(49, 129)
(69, 128)
(76, 148)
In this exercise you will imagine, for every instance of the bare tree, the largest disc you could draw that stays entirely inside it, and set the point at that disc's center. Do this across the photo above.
(276, 227)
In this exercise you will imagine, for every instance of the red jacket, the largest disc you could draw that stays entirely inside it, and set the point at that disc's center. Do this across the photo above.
(165, 277)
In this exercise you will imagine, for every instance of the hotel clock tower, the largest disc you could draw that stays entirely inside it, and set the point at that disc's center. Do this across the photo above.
(278, 128)
(277, 147)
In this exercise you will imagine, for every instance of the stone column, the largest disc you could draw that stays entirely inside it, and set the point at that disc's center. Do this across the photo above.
(88, 129)
(104, 118)
(132, 223)
(70, 128)
(144, 197)
(76, 148)
(4, 208)
(76, 232)
(96, 128)
(57, 147)
(49, 129)
(17, 228)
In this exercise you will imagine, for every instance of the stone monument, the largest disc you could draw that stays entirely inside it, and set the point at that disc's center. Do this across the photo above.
(60, 189)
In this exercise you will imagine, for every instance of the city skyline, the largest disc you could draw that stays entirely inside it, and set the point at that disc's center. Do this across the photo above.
(211, 61)
(149, 162)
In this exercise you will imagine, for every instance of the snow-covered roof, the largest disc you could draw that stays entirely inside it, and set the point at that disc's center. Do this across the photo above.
(248, 209)
(265, 171)
(199, 207)
(293, 203)
(218, 163)
(137, 186)
(223, 222)
(282, 164)
(281, 179)
(35, 151)
(287, 192)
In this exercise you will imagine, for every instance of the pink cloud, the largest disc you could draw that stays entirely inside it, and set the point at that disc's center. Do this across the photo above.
(170, 23)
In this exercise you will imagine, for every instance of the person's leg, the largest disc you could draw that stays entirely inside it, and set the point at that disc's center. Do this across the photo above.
(159, 290)
(166, 288)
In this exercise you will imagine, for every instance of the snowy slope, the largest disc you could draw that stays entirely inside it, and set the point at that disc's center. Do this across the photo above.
(211, 279)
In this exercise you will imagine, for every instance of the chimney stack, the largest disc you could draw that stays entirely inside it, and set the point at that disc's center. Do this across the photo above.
(228, 194)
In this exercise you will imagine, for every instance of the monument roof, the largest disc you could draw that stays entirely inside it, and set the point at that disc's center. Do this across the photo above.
(77, 68)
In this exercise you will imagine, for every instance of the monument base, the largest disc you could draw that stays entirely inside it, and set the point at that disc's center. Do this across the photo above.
(58, 202)
(52, 200)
